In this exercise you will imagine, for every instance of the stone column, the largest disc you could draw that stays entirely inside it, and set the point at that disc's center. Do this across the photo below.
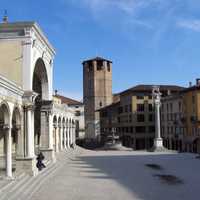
(71, 134)
(64, 137)
(56, 137)
(158, 142)
(46, 143)
(61, 137)
(30, 132)
(27, 162)
(8, 151)
(74, 134)
(68, 142)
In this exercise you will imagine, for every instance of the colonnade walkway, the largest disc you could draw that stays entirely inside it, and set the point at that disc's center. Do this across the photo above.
(118, 175)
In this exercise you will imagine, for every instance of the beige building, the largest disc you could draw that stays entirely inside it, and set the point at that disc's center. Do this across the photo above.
(135, 116)
(97, 85)
(173, 126)
(180, 116)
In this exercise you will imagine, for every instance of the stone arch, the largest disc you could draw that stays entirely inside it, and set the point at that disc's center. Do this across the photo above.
(40, 85)
(4, 124)
(40, 79)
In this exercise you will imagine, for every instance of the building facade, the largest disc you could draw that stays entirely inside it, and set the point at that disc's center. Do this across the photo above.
(180, 116)
(135, 122)
(30, 120)
(97, 86)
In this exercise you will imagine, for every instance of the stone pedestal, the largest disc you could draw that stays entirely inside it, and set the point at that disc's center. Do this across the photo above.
(27, 165)
(49, 154)
(158, 145)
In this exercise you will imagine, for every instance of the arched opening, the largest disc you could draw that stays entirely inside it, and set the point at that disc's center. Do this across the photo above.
(16, 135)
(4, 124)
(41, 87)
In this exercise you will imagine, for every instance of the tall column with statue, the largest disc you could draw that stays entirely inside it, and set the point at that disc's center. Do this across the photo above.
(158, 141)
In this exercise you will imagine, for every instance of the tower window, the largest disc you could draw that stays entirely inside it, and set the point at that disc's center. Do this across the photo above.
(99, 65)
(108, 64)
(90, 66)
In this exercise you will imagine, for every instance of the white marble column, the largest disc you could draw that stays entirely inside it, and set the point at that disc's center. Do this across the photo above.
(61, 138)
(68, 142)
(30, 133)
(56, 138)
(8, 152)
(71, 134)
(158, 142)
(50, 131)
(64, 137)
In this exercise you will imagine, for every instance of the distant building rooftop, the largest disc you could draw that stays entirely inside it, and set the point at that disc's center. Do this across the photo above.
(68, 101)
(148, 88)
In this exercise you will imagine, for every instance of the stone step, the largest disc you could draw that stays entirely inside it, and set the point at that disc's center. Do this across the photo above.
(25, 187)
(18, 191)
(10, 183)
(14, 187)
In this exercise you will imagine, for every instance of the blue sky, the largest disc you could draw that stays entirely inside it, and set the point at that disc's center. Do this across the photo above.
(149, 41)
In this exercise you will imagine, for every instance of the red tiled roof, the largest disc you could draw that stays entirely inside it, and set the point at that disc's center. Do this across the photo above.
(68, 101)
(148, 88)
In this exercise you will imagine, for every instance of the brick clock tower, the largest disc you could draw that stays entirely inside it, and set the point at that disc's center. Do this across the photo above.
(97, 91)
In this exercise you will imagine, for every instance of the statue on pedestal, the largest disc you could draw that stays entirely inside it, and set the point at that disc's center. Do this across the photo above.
(158, 142)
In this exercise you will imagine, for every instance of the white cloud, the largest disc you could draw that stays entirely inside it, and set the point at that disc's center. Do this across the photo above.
(190, 24)
(128, 6)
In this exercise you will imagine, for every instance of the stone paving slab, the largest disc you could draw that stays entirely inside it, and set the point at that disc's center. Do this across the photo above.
(123, 175)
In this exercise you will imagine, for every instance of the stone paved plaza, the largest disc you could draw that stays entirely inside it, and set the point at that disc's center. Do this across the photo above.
(109, 175)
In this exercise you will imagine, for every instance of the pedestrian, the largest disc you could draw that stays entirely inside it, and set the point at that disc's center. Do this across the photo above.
(40, 165)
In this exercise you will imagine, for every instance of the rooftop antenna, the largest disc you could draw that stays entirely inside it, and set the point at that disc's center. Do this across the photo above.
(5, 17)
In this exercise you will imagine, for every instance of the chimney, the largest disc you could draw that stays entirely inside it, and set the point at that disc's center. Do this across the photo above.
(56, 92)
(190, 84)
(168, 92)
(5, 17)
(198, 82)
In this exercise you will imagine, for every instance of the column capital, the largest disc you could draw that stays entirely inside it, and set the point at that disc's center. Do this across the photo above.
(29, 98)
(5, 127)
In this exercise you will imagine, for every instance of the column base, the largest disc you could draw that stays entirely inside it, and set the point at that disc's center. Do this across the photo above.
(49, 154)
(27, 165)
(158, 146)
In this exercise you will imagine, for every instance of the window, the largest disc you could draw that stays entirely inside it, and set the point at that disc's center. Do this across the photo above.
(130, 108)
(126, 108)
(140, 118)
(193, 99)
(99, 65)
(120, 110)
(150, 107)
(90, 66)
(108, 66)
(130, 118)
(140, 107)
(140, 97)
(77, 113)
(140, 129)
(151, 129)
(118, 119)
(151, 117)
(149, 97)
(171, 107)
(179, 106)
